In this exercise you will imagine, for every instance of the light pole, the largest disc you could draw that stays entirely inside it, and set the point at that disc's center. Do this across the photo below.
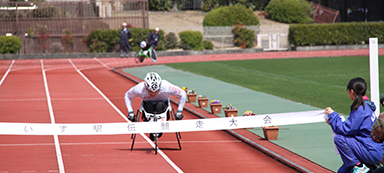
(25, 43)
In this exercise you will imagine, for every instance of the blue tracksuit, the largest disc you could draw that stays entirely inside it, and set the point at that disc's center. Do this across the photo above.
(153, 39)
(125, 35)
(353, 139)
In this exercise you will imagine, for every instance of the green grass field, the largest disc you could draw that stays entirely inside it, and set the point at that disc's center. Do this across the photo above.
(320, 82)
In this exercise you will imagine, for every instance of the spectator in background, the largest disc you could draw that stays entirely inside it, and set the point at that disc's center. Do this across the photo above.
(154, 38)
(125, 35)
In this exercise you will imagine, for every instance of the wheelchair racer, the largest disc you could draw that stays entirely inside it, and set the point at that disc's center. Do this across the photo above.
(144, 48)
(154, 93)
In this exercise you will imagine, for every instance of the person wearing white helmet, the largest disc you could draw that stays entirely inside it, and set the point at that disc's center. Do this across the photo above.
(154, 38)
(144, 46)
(125, 35)
(154, 93)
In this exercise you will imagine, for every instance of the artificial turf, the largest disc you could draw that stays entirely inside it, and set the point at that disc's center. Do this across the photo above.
(319, 82)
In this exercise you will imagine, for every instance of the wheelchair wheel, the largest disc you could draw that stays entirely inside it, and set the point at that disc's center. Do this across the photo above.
(133, 136)
(154, 55)
(139, 58)
(178, 134)
(155, 137)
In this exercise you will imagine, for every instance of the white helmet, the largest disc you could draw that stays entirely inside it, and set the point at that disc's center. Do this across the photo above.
(152, 81)
(143, 44)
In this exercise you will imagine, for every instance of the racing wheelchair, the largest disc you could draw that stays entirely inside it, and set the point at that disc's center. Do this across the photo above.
(165, 115)
(142, 54)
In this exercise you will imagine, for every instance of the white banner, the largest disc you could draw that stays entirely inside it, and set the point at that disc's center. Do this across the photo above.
(165, 126)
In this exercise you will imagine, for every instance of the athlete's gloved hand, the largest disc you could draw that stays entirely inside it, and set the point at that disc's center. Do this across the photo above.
(131, 116)
(179, 115)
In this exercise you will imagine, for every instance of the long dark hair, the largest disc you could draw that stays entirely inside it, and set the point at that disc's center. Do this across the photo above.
(359, 86)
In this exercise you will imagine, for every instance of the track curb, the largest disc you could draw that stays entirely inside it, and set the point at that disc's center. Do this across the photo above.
(131, 54)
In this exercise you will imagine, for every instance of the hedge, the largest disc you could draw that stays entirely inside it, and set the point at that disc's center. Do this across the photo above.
(230, 15)
(191, 40)
(170, 41)
(140, 34)
(289, 11)
(208, 44)
(102, 40)
(335, 34)
(10, 44)
(243, 37)
(160, 5)
(107, 40)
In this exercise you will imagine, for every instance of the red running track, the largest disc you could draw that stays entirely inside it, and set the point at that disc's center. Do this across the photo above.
(67, 91)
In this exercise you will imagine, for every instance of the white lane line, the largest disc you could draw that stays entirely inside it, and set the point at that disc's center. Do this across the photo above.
(116, 143)
(6, 73)
(43, 99)
(105, 65)
(55, 137)
(122, 115)
(97, 89)
(57, 99)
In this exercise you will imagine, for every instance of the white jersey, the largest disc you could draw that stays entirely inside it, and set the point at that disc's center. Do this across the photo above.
(166, 89)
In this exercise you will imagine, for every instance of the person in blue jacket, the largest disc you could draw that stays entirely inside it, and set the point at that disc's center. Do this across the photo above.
(154, 38)
(353, 141)
(125, 35)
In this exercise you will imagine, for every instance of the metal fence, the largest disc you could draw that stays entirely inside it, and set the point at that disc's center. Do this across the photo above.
(273, 42)
(323, 14)
(222, 36)
(192, 4)
(77, 17)
(273, 37)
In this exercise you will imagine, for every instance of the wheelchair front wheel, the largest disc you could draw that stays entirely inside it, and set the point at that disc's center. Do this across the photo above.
(154, 55)
(155, 137)
(139, 58)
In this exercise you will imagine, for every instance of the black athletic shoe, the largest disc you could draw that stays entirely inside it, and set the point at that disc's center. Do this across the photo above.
(159, 135)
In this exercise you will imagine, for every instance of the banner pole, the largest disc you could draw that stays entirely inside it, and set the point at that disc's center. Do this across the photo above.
(374, 73)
